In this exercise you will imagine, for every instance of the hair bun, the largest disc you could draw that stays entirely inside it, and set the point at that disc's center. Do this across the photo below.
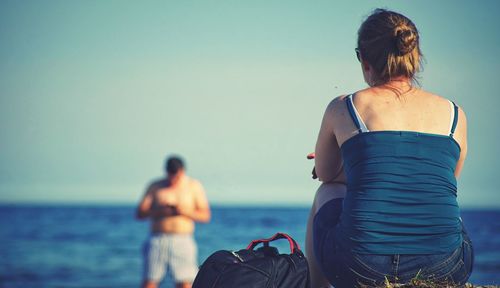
(406, 40)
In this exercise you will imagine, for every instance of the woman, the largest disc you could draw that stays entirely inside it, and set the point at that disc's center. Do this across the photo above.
(388, 157)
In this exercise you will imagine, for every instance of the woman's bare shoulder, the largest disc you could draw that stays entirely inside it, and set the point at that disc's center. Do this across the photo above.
(444, 99)
(337, 103)
(335, 109)
(432, 96)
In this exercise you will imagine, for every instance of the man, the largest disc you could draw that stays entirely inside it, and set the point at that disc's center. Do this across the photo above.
(173, 204)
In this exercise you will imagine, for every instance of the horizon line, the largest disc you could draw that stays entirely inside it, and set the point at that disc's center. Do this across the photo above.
(216, 204)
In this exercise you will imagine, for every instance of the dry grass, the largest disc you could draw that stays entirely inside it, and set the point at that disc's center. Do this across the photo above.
(426, 283)
(417, 283)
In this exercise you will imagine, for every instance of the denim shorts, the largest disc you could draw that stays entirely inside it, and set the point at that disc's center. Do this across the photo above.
(345, 268)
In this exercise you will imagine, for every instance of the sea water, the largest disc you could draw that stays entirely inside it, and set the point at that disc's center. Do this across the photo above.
(100, 246)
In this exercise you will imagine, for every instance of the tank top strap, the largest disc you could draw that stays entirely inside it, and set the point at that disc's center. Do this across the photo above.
(356, 118)
(453, 118)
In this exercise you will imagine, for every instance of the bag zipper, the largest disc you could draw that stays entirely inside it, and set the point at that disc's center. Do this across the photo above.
(237, 256)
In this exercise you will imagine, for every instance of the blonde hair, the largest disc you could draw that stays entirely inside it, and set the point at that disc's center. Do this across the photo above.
(389, 42)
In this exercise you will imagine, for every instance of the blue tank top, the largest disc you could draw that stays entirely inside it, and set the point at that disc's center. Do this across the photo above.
(401, 191)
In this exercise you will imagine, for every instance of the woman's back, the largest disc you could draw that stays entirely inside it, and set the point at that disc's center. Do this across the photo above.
(383, 110)
(401, 187)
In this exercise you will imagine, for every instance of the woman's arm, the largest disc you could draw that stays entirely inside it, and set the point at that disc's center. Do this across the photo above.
(461, 137)
(328, 159)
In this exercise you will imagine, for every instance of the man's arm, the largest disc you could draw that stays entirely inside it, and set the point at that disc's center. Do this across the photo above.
(201, 211)
(144, 208)
(163, 211)
(147, 210)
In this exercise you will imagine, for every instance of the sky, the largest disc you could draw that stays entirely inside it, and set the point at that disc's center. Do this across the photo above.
(95, 94)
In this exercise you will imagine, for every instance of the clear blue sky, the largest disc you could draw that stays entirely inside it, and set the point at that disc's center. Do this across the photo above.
(94, 94)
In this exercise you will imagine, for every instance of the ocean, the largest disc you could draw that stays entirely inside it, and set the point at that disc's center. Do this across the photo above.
(100, 246)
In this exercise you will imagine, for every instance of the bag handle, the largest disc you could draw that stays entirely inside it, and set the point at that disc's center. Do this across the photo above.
(294, 247)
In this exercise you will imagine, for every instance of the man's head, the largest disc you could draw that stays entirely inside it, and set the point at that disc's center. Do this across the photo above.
(174, 165)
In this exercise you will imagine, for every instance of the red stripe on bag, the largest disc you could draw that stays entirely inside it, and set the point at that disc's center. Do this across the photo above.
(293, 245)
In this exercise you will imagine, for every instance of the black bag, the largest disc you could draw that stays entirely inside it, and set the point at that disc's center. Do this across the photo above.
(263, 267)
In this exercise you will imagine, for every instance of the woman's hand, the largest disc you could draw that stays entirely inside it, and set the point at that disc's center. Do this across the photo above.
(311, 156)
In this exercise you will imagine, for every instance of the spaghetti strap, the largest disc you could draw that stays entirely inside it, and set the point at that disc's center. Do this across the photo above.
(455, 119)
(356, 118)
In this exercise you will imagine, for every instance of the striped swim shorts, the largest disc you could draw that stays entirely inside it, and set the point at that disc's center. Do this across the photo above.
(172, 253)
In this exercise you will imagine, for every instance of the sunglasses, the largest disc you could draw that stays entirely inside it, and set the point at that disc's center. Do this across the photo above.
(358, 54)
